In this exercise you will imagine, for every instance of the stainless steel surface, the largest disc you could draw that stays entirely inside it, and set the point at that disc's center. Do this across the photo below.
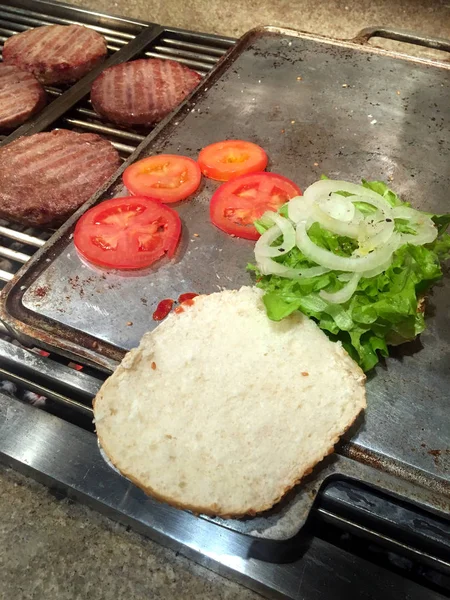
(67, 459)
(401, 445)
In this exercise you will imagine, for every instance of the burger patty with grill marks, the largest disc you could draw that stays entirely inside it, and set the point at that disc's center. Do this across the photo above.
(142, 92)
(21, 96)
(45, 177)
(56, 53)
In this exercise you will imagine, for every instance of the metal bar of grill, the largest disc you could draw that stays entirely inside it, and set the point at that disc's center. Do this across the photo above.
(53, 91)
(40, 370)
(13, 255)
(201, 66)
(31, 18)
(18, 236)
(99, 128)
(192, 46)
(5, 275)
(49, 393)
(181, 53)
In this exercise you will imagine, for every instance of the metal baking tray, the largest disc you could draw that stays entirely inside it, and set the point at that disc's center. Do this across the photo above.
(317, 106)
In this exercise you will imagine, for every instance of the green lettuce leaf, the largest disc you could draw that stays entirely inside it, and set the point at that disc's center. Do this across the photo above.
(384, 309)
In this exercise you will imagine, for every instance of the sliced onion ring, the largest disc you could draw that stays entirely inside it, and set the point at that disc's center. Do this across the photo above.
(345, 293)
(426, 231)
(377, 234)
(325, 187)
(380, 269)
(338, 227)
(299, 208)
(339, 207)
(282, 226)
(267, 266)
(331, 261)
(384, 207)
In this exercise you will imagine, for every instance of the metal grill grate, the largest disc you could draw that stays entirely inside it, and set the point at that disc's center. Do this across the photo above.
(14, 20)
(199, 52)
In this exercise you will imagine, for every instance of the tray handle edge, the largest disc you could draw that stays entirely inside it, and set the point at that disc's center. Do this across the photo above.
(400, 35)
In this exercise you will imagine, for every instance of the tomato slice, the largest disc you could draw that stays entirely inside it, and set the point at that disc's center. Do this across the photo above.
(164, 177)
(229, 159)
(238, 203)
(127, 233)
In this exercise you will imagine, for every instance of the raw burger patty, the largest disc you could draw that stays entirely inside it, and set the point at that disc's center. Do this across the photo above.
(143, 91)
(56, 53)
(21, 96)
(45, 177)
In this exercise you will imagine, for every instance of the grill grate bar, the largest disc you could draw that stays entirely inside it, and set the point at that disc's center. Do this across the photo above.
(113, 48)
(123, 148)
(7, 32)
(43, 391)
(104, 130)
(34, 19)
(14, 255)
(5, 276)
(18, 236)
(188, 54)
(87, 112)
(202, 49)
(200, 66)
(53, 91)
(41, 370)
(98, 127)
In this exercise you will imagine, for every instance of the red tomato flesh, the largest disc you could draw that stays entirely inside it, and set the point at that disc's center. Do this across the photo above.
(164, 177)
(127, 233)
(229, 159)
(238, 203)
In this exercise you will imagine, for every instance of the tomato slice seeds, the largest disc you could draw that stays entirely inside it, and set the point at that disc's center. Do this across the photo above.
(238, 203)
(127, 233)
(164, 177)
(226, 160)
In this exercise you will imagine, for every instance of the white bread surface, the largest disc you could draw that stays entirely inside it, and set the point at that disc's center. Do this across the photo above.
(222, 411)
